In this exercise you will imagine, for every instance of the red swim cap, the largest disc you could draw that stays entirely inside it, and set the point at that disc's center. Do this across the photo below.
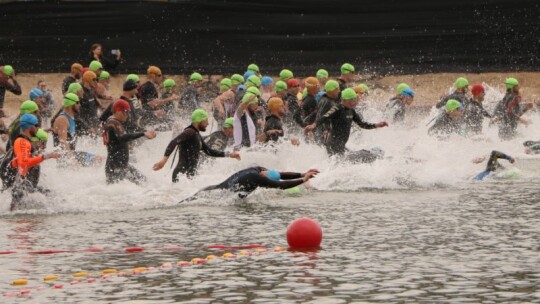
(477, 89)
(120, 105)
(292, 83)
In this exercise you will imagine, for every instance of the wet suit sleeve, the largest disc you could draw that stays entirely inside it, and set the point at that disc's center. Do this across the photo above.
(290, 175)
(328, 115)
(513, 108)
(442, 102)
(175, 142)
(361, 123)
(15, 88)
(264, 182)
(492, 164)
(113, 137)
(209, 151)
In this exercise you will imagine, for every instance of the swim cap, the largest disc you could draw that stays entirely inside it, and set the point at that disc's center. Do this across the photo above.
(364, 87)
(285, 75)
(331, 85)
(129, 85)
(76, 67)
(273, 175)
(241, 88)
(104, 75)
(74, 87)
(266, 81)
(199, 115)
(402, 86)
(120, 105)
(28, 107)
(280, 86)
(248, 74)
(274, 103)
(452, 105)
(133, 77)
(228, 123)
(293, 83)
(169, 83)
(477, 89)
(195, 77)
(253, 80)
(511, 83)
(253, 67)
(408, 92)
(225, 84)
(41, 135)
(348, 94)
(321, 74)
(95, 65)
(70, 99)
(254, 91)
(311, 82)
(27, 121)
(461, 83)
(153, 70)
(35, 93)
(89, 76)
(347, 68)
(237, 79)
(8, 70)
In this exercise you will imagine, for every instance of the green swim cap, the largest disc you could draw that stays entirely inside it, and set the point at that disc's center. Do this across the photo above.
(195, 77)
(280, 86)
(254, 91)
(253, 80)
(347, 68)
(461, 83)
(331, 85)
(169, 83)
(199, 115)
(8, 70)
(364, 87)
(133, 77)
(402, 86)
(511, 83)
(452, 105)
(228, 123)
(104, 75)
(285, 75)
(95, 65)
(225, 84)
(237, 79)
(41, 135)
(322, 74)
(74, 87)
(348, 94)
(70, 99)
(29, 107)
(253, 67)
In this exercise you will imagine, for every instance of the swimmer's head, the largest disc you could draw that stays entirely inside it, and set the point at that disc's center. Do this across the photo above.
(273, 175)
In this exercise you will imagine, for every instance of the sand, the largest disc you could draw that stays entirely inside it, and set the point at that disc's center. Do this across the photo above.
(429, 87)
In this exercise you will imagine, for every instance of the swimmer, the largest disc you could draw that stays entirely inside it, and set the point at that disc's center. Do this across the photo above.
(492, 164)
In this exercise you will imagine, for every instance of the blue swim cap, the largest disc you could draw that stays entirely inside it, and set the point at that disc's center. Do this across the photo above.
(274, 175)
(407, 92)
(247, 74)
(27, 121)
(319, 95)
(35, 93)
(240, 88)
(266, 81)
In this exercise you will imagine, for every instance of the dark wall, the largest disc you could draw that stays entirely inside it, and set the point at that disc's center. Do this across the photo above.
(384, 36)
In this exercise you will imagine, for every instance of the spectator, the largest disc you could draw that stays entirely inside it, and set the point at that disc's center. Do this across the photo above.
(96, 53)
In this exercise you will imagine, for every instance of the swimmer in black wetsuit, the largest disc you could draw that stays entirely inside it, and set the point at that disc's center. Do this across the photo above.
(190, 143)
(247, 180)
(493, 164)
(532, 147)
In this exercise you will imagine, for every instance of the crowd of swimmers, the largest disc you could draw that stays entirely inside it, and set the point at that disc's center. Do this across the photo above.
(250, 110)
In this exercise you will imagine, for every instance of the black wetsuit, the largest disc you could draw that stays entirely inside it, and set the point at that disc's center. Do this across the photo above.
(492, 164)
(66, 82)
(445, 125)
(131, 124)
(396, 108)
(341, 119)
(87, 118)
(325, 104)
(342, 85)
(217, 140)
(534, 146)
(148, 93)
(117, 166)
(247, 180)
(189, 143)
(189, 101)
(459, 96)
(273, 123)
(309, 110)
(6, 86)
(473, 117)
(294, 114)
(509, 111)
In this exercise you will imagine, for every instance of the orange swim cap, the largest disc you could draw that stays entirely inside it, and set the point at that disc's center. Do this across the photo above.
(311, 81)
(76, 67)
(153, 70)
(274, 103)
(89, 76)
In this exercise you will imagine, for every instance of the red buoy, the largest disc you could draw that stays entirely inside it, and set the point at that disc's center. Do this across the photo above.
(133, 249)
(304, 233)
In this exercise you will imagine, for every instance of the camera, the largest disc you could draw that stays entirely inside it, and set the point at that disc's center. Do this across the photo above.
(114, 52)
